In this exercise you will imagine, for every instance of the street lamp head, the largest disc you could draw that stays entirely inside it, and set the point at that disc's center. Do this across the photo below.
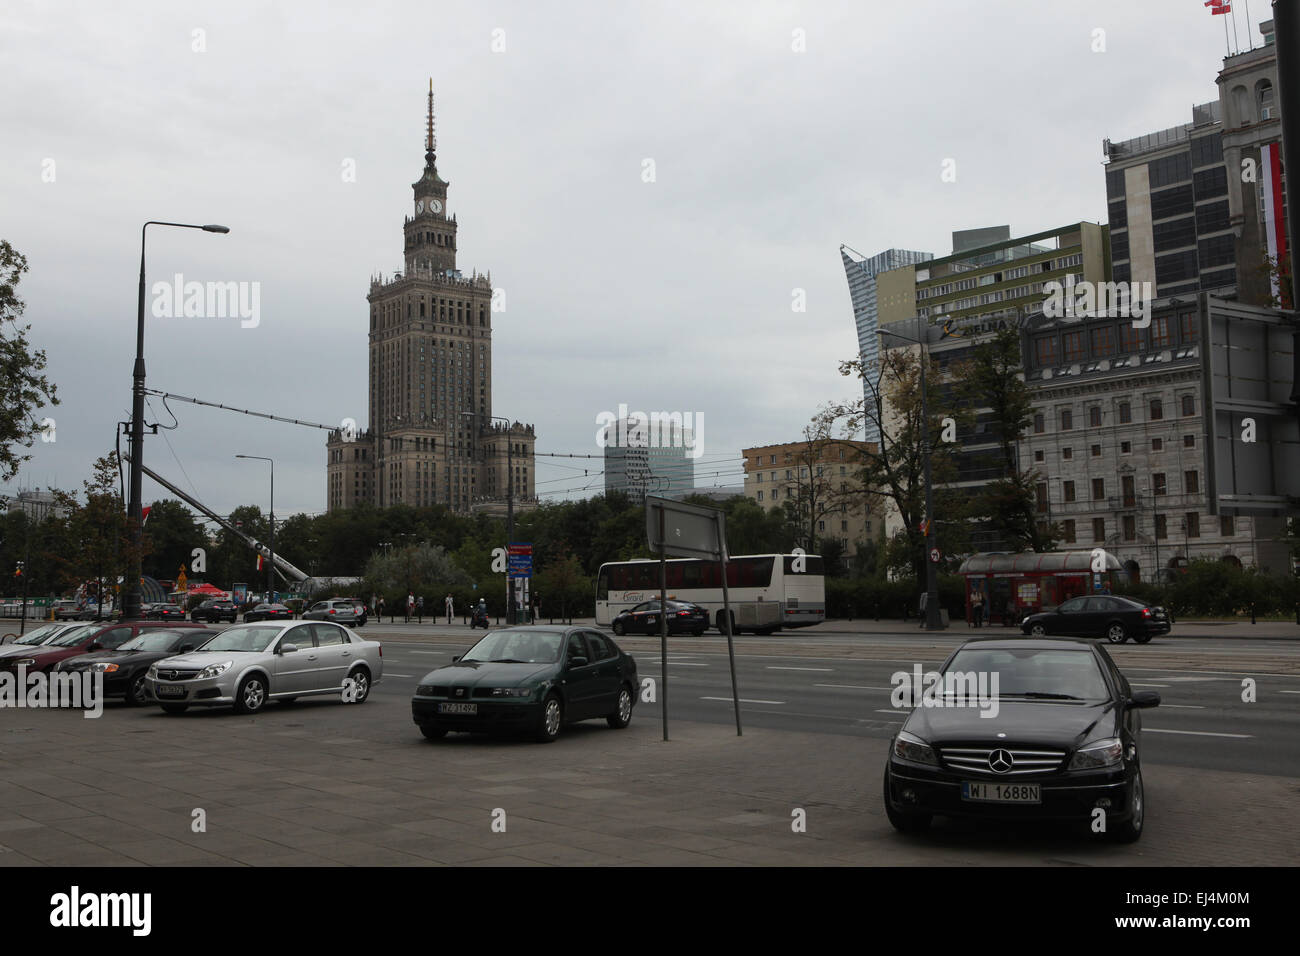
(214, 228)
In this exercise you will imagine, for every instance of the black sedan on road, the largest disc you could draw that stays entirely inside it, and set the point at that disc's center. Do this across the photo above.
(683, 617)
(1100, 615)
(125, 666)
(1061, 743)
(267, 612)
(531, 680)
(215, 610)
(165, 612)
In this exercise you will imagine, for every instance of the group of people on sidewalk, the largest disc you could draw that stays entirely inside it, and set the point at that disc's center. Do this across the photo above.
(415, 606)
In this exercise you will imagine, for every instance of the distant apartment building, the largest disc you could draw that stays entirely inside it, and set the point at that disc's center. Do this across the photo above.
(37, 505)
(648, 458)
(861, 273)
(1119, 440)
(1197, 207)
(825, 473)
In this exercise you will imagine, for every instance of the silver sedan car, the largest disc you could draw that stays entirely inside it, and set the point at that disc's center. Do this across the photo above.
(247, 665)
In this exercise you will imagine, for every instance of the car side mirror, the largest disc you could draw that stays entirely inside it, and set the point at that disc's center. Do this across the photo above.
(288, 648)
(455, 658)
(94, 646)
(577, 662)
(1145, 698)
(185, 648)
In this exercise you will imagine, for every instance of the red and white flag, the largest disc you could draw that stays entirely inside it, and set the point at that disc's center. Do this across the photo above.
(1219, 6)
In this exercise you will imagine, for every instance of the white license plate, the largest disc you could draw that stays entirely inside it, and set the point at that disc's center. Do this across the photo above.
(458, 708)
(169, 690)
(1001, 792)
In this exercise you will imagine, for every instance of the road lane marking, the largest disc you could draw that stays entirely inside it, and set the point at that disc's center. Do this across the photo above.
(430, 652)
(1289, 692)
(744, 700)
(894, 712)
(1194, 733)
(1182, 706)
(854, 686)
(773, 667)
(678, 664)
(386, 674)
(1138, 683)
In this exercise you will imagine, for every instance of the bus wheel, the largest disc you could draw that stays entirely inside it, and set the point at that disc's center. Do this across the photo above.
(721, 622)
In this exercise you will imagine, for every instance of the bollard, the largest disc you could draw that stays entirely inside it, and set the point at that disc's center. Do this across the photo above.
(1252, 612)
(878, 612)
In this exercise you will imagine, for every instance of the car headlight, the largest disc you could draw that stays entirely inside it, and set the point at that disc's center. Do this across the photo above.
(215, 670)
(910, 747)
(103, 668)
(512, 691)
(23, 662)
(153, 672)
(1099, 753)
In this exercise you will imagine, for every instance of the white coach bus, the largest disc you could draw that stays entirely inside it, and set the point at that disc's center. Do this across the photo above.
(767, 591)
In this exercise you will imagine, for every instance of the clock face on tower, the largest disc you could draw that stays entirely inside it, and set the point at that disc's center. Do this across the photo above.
(435, 205)
(419, 207)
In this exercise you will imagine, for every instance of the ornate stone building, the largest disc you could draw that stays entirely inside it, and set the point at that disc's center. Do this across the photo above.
(432, 437)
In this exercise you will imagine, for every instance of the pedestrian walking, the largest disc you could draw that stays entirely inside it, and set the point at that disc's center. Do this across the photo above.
(410, 605)
(977, 608)
(381, 607)
(925, 596)
(419, 608)
(451, 608)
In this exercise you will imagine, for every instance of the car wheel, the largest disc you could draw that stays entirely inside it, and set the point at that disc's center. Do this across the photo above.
(251, 696)
(432, 733)
(622, 715)
(1037, 630)
(1131, 829)
(360, 685)
(550, 721)
(135, 693)
(618, 628)
(697, 631)
(1115, 633)
(175, 708)
(1142, 638)
(902, 821)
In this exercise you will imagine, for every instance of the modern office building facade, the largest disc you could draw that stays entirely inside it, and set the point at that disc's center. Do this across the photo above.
(648, 458)
(432, 437)
(861, 272)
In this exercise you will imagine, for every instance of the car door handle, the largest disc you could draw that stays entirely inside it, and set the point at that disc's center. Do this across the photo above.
(347, 653)
(311, 657)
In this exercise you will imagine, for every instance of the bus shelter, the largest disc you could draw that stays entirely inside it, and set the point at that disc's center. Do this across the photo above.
(1014, 585)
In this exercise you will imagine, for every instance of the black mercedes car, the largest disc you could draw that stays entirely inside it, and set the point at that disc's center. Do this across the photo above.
(165, 612)
(217, 609)
(1059, 740)
(644, 619)
(530, 680)
(1100, 615)
(125, 666)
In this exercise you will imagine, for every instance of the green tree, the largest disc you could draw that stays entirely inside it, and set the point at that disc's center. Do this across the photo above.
(170, 537)
(99, 550)
(24, 389)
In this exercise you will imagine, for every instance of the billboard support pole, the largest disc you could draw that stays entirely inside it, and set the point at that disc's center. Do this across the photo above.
(726, 620)
(663, 623)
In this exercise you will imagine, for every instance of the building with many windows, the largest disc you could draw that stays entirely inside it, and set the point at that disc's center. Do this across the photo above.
(432, 438)
(649, 457)
(820, 482)
(1119, 440)
(861, 273)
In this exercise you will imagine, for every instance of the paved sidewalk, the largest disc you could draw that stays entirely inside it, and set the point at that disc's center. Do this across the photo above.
(294, 788)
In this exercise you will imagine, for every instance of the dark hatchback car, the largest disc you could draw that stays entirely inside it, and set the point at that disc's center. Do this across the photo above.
(1063, 742)
(683, 617)
(529, 680)
(1100, 615)
(125, 667)
(215, 610)
(83, 640)
(267, 612)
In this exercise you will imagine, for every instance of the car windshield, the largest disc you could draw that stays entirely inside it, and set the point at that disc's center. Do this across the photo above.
(74, 636)
(155, 641)
(517, 647)
(1036, 672)
(254, 638)
(40, 635)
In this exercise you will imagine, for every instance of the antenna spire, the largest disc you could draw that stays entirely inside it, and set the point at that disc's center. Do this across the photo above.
(430, 142)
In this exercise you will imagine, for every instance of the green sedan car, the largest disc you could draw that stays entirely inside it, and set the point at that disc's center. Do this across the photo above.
(530, 680)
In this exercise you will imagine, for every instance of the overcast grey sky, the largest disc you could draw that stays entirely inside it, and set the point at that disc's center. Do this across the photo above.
(674, 294)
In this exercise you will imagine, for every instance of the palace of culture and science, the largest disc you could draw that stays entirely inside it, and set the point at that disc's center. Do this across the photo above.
(432, 438)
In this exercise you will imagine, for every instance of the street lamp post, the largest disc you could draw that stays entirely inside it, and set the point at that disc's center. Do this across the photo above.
(135, 507)
(933, 621)
(270, 569)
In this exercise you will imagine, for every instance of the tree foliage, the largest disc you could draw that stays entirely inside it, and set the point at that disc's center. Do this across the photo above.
(24, 388)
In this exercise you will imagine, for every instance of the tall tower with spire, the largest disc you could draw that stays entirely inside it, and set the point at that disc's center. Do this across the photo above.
(432, 438)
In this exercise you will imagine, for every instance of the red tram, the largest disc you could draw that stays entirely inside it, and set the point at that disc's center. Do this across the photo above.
(1014, 585)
